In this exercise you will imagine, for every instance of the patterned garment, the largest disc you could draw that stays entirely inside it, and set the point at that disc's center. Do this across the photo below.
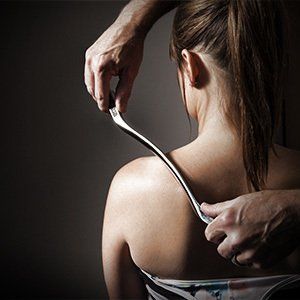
(254, 288)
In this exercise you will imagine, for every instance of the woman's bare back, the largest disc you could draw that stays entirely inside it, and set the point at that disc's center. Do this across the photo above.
(165, 236)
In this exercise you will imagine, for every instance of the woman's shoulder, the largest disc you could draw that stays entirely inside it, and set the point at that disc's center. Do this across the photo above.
(146, 193)
(143, 173)
(140, 165)
(145, 181)
(151, 204)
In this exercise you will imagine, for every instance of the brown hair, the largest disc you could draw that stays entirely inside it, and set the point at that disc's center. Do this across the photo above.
(245, 39)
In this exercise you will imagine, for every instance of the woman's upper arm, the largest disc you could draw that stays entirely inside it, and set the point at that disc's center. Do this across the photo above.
(120, 273)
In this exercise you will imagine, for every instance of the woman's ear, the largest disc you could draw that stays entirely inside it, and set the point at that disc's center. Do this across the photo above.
(191, 63)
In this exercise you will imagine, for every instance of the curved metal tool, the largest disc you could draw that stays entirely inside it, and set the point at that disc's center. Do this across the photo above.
(118, 119)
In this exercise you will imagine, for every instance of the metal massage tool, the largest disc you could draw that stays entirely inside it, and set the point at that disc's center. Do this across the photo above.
(118, 119)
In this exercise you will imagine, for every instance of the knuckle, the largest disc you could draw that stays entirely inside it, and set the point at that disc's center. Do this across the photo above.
(96, 64)
(228, 217)
(88, 57)
(102, 64)
(236, 242)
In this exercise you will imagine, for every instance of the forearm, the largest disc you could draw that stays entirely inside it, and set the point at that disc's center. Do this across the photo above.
(142, 14)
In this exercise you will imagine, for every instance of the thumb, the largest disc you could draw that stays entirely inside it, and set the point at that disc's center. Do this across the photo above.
(213, 210)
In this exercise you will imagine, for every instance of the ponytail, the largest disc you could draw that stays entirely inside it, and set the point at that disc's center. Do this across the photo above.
(255, 55)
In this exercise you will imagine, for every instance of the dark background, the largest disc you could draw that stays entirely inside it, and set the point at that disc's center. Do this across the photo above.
(59, 152)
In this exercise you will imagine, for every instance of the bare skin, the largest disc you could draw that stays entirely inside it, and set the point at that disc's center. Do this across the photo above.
(149, 215)
(156, 228)
(259, 238)
(119, 51)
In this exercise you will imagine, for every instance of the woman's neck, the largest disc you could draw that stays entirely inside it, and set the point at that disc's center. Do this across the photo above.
(215, 132)
(213, 162)
(212, 123)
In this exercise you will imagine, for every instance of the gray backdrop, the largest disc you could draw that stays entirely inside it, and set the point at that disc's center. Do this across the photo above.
(59, 152)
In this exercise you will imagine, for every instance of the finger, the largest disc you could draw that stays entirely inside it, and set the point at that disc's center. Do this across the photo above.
(247, 256)
(89, 78)
(102, 68)
(214, 232)
(213, 210)
(123, 90)
(227, 249)
(223, 223)
(102, 86)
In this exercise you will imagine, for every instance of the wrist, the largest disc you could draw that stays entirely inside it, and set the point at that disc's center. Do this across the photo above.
(132, 25)
(140, 15)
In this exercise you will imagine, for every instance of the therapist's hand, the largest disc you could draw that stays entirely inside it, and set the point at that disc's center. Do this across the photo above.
(117, 52)
(259, 228)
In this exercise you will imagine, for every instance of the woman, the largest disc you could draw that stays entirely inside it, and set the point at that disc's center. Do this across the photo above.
(229, 57)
